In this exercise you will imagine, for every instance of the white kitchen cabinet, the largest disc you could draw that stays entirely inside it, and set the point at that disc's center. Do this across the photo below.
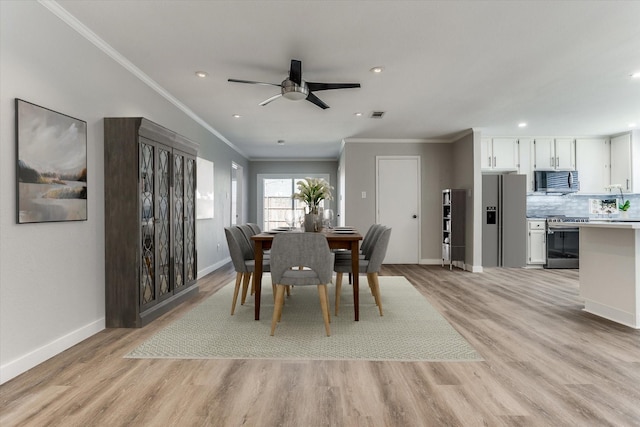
(525, 161)
(554, 154)
(621, 156)
(499, 154)
(593, 157)
(537, 242)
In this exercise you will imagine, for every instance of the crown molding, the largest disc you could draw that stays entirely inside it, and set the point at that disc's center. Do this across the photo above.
(92, 37)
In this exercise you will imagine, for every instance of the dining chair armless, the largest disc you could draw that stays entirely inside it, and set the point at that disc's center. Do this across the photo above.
(291, 250)
(370, 265)
(243, 262)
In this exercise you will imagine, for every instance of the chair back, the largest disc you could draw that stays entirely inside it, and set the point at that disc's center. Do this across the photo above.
(247, 231)
(255, 227)
(366, 241)
(235, 249)
(373, 239)
(301, 249)
(379, 251)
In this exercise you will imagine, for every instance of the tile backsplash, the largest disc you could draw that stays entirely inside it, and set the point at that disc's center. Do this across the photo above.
(543, 205)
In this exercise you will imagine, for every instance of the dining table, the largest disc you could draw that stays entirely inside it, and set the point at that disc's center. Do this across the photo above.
(338, 238)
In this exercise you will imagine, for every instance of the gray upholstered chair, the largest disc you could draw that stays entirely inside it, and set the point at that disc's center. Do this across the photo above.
(289, 251)
(370, 265)
(255, 227)
(243, 262)
(370, 236)
(247, 231)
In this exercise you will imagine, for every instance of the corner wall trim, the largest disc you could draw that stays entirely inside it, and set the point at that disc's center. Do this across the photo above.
(84, 31)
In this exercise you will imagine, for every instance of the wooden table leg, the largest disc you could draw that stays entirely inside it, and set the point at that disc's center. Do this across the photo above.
(257, 277)
(355, 268)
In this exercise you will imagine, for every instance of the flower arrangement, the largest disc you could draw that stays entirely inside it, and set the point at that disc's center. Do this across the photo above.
(626, 204)
(312, 191)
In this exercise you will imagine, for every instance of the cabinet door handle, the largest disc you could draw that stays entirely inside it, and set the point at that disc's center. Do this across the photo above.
(627, 183)
(551, 162)
(557, 161)
(490, 161)
(494, 161)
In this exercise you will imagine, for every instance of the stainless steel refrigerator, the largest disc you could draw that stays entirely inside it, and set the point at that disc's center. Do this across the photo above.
(504, 222)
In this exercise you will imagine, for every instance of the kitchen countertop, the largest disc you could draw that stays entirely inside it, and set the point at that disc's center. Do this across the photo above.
(632, 223)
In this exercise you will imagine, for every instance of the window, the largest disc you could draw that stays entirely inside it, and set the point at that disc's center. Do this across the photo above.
(274, 199)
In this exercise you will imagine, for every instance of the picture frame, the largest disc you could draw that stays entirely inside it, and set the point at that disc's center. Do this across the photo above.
(51, 165)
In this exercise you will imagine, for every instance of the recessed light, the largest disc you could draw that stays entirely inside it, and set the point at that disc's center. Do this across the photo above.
(632, 125)
(358, 114)
(281, 142)
(201, 74)
(236, 116)
(522, 125)
(377, 70)
(636, 75)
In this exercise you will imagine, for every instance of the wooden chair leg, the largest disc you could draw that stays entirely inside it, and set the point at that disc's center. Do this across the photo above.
(372, 278)
(338, 290)
(235, 292)
(245, 287)
(277, 309)
(324, 305)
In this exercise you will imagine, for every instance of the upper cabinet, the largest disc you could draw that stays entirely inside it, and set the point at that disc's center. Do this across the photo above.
(499, 154)
(621, 162)
(554, 154)
(593, 157)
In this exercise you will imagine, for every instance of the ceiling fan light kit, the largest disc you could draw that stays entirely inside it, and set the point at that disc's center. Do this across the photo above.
(296, 89)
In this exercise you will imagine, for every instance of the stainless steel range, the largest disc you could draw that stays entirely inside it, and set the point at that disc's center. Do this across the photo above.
(563, 242)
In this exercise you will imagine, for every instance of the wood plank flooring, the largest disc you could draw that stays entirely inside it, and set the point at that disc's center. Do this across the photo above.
(547, 363)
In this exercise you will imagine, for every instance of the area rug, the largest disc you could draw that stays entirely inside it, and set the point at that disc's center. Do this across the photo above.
(410, 330)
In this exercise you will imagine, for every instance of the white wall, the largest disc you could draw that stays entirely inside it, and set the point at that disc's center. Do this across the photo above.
(436, 169)
(52, 274)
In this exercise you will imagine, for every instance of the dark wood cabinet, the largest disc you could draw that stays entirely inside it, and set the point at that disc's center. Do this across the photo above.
(150, 234)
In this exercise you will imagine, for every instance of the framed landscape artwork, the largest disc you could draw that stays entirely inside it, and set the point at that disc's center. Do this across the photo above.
(51, 167)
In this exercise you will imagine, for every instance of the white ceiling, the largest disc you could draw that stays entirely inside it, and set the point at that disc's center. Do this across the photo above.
(563, 67)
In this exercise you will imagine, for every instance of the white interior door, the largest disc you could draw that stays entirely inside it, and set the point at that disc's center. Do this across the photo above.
(398, 206)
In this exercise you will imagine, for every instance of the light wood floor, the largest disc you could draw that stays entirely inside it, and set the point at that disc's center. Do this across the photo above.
(547, 363)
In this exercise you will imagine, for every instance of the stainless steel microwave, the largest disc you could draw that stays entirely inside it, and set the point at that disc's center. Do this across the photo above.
(557, 181)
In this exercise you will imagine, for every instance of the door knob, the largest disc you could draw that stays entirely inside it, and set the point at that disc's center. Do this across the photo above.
(415, 216)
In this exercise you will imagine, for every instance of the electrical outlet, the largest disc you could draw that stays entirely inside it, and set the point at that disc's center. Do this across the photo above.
(364, 194)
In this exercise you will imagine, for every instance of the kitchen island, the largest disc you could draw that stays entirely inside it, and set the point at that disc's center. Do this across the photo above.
(610, 270)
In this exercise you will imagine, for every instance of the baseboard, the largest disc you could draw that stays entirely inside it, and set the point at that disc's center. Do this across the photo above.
(611, 313)
(457, 264)
(213, 267)
(22, 364)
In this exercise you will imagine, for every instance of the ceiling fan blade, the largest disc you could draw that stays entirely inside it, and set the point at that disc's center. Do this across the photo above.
(273, 98)
(252, 82)
(327, 86)
(312, 98)
(295, 72)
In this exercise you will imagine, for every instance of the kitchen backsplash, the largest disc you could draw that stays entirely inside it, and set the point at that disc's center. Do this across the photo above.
(543, 205)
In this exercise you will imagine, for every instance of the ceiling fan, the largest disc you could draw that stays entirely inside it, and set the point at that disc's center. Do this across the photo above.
(296, 89)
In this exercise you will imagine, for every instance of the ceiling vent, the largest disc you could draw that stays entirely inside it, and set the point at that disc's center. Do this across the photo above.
(377, 114)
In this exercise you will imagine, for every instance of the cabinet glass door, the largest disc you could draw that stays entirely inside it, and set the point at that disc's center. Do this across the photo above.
(147, 234)
(163, 284)
(184, 246)
(190, 220)
(178, 221)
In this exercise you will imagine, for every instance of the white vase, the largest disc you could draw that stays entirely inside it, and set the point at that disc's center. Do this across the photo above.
(624, 214)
